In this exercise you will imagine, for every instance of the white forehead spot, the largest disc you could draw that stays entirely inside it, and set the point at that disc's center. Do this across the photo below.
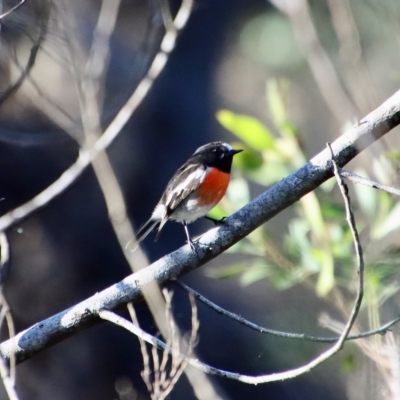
(228, 146)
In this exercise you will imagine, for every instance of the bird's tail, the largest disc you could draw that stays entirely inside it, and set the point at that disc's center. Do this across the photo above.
(143, 231)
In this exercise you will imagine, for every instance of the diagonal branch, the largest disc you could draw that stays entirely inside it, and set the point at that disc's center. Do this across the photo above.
(367, 182)
(212, 243)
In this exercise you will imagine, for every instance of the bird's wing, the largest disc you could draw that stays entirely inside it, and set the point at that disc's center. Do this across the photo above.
(186, 180)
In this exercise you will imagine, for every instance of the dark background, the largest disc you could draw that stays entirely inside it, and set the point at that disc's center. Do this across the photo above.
(67, 251)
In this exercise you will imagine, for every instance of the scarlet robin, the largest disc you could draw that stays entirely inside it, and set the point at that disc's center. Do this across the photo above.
(194, 190)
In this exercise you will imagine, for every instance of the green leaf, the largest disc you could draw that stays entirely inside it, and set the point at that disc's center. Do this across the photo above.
(283, 280)
(349, 363)
(276, 101)
(217, 212)
(248, 129)
(249, 160)
(255, 272)
(333, 211)
(229, 271)
(269, 173)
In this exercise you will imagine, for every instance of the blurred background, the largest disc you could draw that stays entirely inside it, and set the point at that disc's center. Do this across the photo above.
(243, 71)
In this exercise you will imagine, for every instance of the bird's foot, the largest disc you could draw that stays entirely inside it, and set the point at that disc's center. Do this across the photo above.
(217, 222)
(193, 247)
(196, 244)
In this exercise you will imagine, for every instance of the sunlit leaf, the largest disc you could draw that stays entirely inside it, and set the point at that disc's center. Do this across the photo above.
(312, 210)
(248, 129)
(283, 280)
(349, 363)
(248, 160)
(333, 211)
(269, 173)
(229, 271)
(276, 102)
(217, 212)
(254, 273)
(326, 277)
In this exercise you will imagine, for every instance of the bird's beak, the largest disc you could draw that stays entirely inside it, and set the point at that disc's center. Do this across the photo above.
(233, 151)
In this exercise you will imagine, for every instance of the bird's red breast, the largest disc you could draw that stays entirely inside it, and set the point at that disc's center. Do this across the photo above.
(213, 187)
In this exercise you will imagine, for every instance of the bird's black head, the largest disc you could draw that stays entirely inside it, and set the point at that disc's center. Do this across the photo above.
(216, 154)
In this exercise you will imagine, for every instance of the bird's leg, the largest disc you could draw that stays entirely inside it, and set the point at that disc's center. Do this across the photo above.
(217, 222)
(190, 241)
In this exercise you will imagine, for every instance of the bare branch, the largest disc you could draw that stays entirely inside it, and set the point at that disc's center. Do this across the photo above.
(287, 335)
(7, 372)
(367, 182)
(164, 378)
(4, 255)
(12, 9)
(143, 349)
(352, 225)
(7, 381)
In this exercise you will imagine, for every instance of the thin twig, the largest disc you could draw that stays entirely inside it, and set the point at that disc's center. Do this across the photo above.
(6, 94)
(7, 373)
(164, 380)
(367, 182)
(143, 349)
(287, 335)
(6, 314)
(7, 381)
(12, 9)
(4, 256)
(356, 240)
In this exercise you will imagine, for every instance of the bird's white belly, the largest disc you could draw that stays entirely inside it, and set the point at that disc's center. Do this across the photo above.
(189, 211)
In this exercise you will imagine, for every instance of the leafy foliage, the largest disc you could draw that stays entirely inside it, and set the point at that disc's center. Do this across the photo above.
(317, 248)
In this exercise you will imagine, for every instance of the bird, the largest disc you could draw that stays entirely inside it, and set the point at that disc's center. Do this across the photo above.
(195, 188)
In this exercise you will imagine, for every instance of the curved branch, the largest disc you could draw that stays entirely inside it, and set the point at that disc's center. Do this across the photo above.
(286, 335)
